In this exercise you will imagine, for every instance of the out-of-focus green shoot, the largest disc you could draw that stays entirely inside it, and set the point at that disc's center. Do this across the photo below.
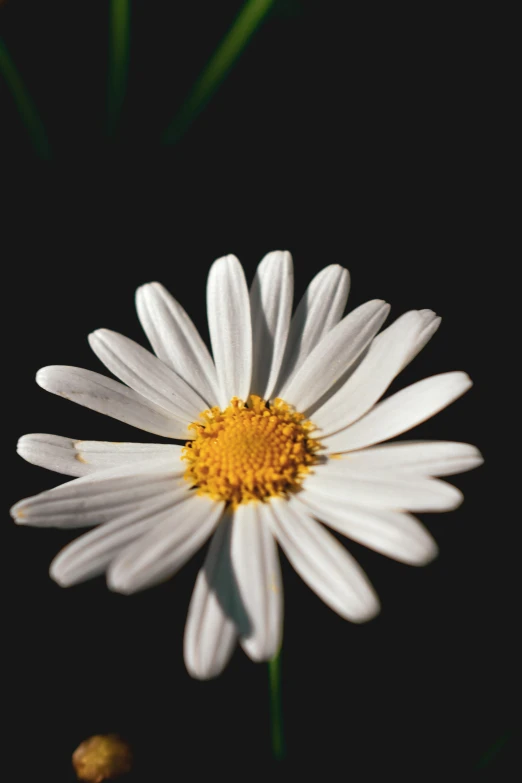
(119, 26)
(276, 707)
(244, 26)
(492, 752)
(24, 104)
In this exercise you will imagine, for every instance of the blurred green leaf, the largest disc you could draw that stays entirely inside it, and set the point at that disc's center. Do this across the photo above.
(276, 708)
(493, 751)
(24, 104)
(119, 28)
(228, 51)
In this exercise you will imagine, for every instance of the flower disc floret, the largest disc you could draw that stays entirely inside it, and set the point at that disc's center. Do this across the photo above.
(249, 451)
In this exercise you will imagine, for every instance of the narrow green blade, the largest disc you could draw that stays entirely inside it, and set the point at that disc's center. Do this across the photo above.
(119, 38)
(244, 26)
(24, 104)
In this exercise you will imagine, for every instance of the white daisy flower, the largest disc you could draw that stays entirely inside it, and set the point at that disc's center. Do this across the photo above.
(283, 432)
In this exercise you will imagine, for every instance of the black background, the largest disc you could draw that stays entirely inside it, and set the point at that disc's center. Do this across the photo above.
(360, 134)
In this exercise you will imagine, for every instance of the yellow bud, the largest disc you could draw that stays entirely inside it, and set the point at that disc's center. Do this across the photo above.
(102, 757)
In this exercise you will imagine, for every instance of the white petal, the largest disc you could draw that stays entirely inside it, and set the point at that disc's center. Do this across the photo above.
(255, 562)
(427, 458)
(80, 457)
(393, 533)
(90, 554)
(106, 396)
(382, 490)
(149, 465)
(94, 499)
(334, 354)
(400, 412)
(322, 562)
(271, 297)
(100, 455)
(147, 375)
(52, 452)
(159, 554)
(320, 309)
(175, 339)
(382, 363)
(228, 311)
(210, 631)
(430, 326)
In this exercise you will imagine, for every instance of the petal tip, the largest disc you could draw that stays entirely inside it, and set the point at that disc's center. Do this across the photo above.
(154, 286)
(43, 377)
(227, 260)
(117, 583)
(97, 336)
(428, 315)
(23, 445)
(59, 575)
(203, 669)
(338, 268)
(455, 498)
(196, 674)
(426, 555)
(463, 377)
(431, 555)
(368, 611)
(18, 513)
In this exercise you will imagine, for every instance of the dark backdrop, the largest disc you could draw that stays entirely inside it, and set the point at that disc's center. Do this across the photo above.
(350, 133)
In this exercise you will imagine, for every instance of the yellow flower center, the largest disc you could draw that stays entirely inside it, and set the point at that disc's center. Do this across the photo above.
(249, 452)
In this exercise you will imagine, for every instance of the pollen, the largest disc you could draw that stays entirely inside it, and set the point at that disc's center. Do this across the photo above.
(250, 451)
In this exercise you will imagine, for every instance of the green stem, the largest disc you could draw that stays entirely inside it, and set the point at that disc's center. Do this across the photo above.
(276, 707)
(24, 104)
(244, 26)
(493, 751)
(119, 27)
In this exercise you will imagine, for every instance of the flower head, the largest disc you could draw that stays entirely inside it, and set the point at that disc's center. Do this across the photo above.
(282, 429)
(252, 451)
